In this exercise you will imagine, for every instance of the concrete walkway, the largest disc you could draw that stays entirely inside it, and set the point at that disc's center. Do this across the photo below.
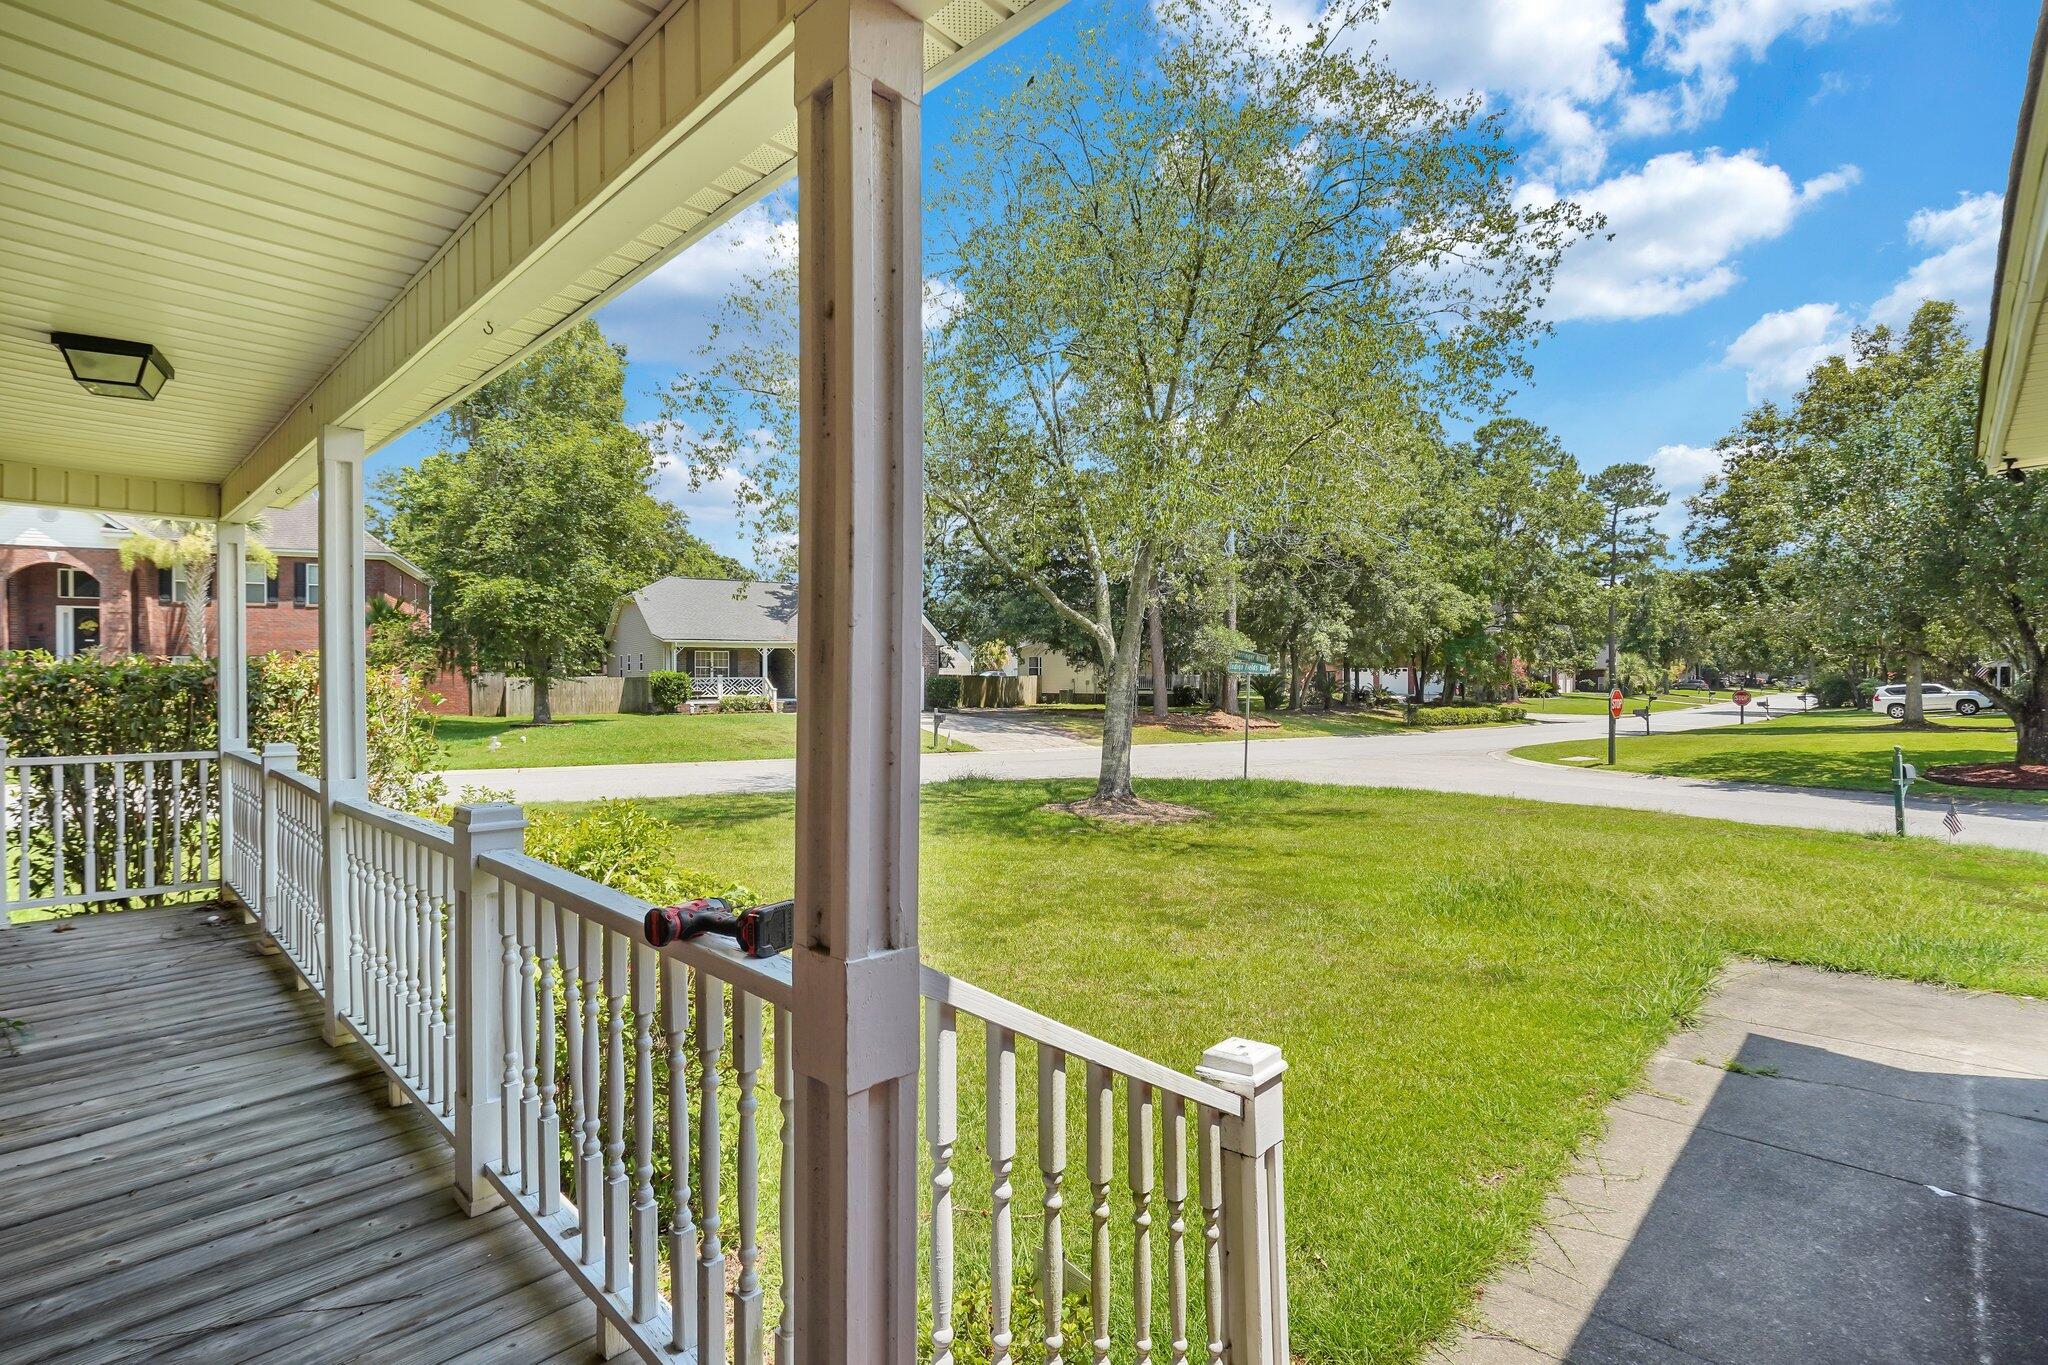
(1474, 760)
(1828, 1169)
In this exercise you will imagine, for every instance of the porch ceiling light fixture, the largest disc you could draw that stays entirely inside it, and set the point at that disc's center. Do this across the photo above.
(112, 368)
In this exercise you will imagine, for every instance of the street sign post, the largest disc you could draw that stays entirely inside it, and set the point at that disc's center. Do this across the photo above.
(1613, 718)
(1741, 706)
(1904, 775)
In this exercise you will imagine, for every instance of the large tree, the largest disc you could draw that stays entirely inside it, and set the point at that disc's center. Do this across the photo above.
(1200, 284)
(1865, 517)
(541, 516)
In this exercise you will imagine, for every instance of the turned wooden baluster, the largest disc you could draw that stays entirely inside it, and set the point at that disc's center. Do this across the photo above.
(618, 1246)
(682, 1240)
(590, 1150)
(1211, 1171)
(710, 996)
(510, 1129)
(571, 930)
(439, 1062)
(1002, 1155)
(1173, 1118)
(746, 1060)
(532, 1155)
(1052, 1168)
(646, 1214)
(1138, 1169)
(549, 1155)
(785, 1096)
(1101, 1118)
(941, 1131)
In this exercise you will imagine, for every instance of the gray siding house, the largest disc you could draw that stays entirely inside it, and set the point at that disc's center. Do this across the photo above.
(730, 635)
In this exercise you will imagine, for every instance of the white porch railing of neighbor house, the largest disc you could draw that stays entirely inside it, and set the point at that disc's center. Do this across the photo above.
(718, 688)
(633, 1105)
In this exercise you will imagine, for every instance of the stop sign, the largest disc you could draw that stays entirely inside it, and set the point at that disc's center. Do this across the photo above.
(1741, 697)
(1614, 703)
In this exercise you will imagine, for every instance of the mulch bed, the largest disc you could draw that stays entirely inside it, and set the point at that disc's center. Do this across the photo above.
(1209, 723)
(1130, 810)
(2026, 777)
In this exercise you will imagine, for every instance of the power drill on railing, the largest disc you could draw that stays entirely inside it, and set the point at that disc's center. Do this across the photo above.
(760, 930)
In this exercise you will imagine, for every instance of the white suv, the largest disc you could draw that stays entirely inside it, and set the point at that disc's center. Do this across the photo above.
(1891, 701)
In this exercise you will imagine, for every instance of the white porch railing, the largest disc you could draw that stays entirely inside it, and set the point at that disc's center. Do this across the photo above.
(716, 688)
(106, 827)
(611, 1093)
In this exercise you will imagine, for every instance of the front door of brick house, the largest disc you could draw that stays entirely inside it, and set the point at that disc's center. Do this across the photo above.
(78, 630)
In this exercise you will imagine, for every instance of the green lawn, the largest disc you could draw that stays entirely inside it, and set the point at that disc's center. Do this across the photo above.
(1085, 722)
(1460, 984)
(624, 739)
(1595, 703)
(1845, 749)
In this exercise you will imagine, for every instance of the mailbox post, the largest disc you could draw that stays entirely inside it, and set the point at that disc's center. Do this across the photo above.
(1904, 775)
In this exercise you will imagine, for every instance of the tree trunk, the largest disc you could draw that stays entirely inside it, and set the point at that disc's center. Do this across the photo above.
(543, 704)
(2031, 723)
(195, 619)
(1120, 695)
(1158, 641)
(1915, 714)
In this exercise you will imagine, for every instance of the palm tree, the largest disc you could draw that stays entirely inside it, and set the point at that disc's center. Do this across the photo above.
(191, 547)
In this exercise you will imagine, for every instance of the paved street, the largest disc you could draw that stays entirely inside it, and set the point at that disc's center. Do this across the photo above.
(1474, 760)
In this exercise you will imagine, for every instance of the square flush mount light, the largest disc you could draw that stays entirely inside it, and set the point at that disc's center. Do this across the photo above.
(114, 369)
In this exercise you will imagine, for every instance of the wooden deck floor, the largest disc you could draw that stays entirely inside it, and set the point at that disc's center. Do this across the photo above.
(187, 1173)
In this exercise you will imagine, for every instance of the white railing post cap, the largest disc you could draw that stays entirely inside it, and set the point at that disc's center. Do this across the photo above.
(489, 817)
(279, 748)
(1237, 1063)
(1251, 1071)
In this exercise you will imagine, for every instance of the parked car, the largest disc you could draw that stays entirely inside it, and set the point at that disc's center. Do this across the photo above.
(1891, 700)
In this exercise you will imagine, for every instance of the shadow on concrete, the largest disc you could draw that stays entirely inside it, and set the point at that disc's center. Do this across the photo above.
(1831, 1209)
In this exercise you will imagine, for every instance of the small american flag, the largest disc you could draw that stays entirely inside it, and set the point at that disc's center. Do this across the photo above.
(1952, 822)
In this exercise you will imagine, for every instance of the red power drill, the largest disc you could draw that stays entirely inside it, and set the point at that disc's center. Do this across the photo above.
(760, 930)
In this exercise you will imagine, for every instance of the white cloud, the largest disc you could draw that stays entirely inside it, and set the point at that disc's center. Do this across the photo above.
(743, 246)
(1563, 69)
(1553, 62)
(1779, 350)
(1963, 240)
(663, 319)
(1682, 471)
(1674, 229)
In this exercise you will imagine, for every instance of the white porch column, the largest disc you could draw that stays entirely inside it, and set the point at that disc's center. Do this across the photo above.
(231, 669)
(859, 77)
(344, 739)
(231, 544)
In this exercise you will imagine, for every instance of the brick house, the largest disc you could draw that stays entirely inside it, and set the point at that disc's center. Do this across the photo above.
(64, 590)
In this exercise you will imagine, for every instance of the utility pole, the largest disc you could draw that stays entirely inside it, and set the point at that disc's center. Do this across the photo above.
(1230, 620)
(1613, 659)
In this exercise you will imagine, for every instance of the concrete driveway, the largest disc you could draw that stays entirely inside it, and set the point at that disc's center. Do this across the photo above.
(1828, 1169)
(1474, 760)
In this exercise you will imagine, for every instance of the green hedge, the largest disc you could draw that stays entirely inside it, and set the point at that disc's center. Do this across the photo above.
(741, 701)
(668, 690)
(941, 690)
(1437, 716)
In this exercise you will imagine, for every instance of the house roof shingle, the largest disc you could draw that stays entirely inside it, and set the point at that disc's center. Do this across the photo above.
(717, 611)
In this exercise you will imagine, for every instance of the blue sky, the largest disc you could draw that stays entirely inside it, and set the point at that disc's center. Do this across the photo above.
(1774, 173)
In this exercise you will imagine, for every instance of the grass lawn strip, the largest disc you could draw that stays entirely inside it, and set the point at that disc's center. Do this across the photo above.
(1845, 750)
(607, 739)
(1461, 984)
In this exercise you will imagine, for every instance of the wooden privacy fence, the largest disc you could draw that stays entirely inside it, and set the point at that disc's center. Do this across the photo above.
(633, 1105)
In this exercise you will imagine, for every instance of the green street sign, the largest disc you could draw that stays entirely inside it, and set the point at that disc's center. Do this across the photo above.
(1247, 668)
(1249, 656)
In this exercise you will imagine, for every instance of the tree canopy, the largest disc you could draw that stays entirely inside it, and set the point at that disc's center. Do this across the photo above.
(541, 518)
